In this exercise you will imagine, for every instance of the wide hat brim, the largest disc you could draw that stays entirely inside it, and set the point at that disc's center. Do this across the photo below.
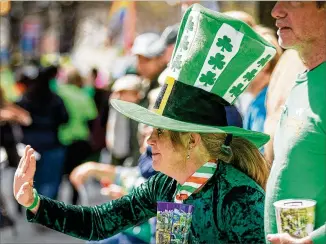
(145, 116)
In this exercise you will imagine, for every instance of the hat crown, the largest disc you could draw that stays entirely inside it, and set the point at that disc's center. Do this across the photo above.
(217, 53)
(214, 59)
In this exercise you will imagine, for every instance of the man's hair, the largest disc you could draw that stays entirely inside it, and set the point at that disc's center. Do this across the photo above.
(320, 4)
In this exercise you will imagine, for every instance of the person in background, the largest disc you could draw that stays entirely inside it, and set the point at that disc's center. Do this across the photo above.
(75, 134)
(9, 113)
(149, 49)
(255, 116)
(100, 95)
(280, 85)
(298, 170)
(121, 133)
(48, 113)
(150, 56)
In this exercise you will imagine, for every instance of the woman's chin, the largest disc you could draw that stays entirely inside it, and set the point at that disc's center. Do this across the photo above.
(156, 165)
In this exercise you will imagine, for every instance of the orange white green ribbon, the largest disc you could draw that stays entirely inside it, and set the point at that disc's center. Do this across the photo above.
(196, 181)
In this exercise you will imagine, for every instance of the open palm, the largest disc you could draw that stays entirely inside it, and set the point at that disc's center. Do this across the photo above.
(23, 180)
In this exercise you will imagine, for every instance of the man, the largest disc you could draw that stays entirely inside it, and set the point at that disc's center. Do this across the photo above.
(281, 83)
(299, 166)
(153, 54)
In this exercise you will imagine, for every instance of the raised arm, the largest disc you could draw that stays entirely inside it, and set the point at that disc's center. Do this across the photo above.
(98, 222)
(89, 223)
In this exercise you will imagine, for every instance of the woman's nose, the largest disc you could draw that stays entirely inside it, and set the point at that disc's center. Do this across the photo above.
(151, 140)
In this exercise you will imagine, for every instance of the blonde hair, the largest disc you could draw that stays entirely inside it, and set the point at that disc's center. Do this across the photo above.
(244, 155)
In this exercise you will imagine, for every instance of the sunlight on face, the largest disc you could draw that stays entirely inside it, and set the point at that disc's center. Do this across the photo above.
(166, 158)
(299, 23)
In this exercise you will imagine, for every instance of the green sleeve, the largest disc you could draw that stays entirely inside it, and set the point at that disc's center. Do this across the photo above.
(102, 221)
(319, 235)
(243, 215)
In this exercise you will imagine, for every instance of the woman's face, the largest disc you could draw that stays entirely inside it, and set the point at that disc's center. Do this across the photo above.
(166, 158)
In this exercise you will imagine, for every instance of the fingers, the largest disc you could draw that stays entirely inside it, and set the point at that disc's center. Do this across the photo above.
(76, 178)
(27, 160)
(274, 238)
(24, 156)
(283, 238)
(31, 167)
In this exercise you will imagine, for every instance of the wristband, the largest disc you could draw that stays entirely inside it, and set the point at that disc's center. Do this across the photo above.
(36, 199)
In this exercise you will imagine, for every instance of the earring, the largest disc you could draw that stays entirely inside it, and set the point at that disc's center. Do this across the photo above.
(188, 154)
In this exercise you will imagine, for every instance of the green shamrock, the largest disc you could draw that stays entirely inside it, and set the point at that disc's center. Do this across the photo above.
(225, 43)
(250, 75)
(208, 78)
(190, 26)
(217, 61)
(185, 43)
(177, 63)
(263, 61)
(236, 90)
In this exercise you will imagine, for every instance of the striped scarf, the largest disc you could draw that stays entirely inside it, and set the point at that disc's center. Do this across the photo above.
(196, 181)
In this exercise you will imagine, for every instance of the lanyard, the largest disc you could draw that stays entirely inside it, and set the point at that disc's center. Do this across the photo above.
(195, 181)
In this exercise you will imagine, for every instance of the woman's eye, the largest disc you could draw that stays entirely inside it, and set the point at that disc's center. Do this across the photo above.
(159, 132)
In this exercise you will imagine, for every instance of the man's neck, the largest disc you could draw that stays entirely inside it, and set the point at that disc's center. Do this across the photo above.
(314, 54)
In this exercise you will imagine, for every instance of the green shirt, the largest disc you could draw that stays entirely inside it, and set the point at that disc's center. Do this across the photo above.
(7, 84)
(81, 108)
(228, 209)
(299, 168)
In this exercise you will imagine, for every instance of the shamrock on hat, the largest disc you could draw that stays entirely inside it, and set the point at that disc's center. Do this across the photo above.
(214, 60)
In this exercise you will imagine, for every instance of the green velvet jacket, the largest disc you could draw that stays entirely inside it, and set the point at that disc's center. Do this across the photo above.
(228, 209)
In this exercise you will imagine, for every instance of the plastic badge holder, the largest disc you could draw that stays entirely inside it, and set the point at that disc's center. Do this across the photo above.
(173, 222)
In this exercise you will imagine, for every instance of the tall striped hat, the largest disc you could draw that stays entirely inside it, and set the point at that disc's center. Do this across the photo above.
(214, 60)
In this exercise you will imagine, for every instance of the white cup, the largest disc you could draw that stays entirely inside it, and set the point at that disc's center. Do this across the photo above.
(295, 216)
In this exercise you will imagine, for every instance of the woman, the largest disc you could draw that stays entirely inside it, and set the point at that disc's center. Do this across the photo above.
(203, 162)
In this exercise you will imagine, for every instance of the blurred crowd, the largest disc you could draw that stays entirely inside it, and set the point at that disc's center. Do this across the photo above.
(68, 120)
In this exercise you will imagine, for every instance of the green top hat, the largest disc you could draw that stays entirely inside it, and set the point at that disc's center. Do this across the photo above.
(214, 60)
